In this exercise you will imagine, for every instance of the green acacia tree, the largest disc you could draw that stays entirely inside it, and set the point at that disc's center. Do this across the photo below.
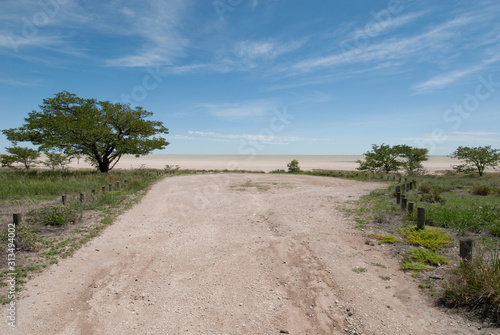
(25, 156)
(293, 166)
(383, 158)
(101, 131)
(412, 158)
(55, 160)
(476, 158)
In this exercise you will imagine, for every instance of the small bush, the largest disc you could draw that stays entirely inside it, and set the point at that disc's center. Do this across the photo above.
(429, 237)
(480, 190)
(54, 215)
(427, 256)
(385, 238)
(425, 188)
(293, 166)
(26, 237)
(476, 284)
(359, 270)
(408, 265)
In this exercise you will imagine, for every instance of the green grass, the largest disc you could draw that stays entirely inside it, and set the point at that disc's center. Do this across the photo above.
(427, 256)
(413, 266)
(475, 284)
(359, 270)
(429, 237)
(386, 238)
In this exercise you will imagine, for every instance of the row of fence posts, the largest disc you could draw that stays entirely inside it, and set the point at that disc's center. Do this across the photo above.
(466, 245)
(17, 217)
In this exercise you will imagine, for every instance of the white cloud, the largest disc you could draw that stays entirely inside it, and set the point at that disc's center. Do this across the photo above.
(159, 25)
(402, 50)
(446, 79)
(239, 111)
(264, 139)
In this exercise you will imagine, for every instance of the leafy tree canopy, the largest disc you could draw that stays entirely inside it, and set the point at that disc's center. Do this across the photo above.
(99, 130)
(385, 158)
(380, 158)
(412, 158)
(25, 156)
(476, 158)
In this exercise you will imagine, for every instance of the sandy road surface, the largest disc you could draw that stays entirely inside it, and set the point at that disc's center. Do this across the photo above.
(232, 254)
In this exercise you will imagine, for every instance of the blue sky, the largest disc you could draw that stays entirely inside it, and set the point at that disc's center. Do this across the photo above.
(266, 77)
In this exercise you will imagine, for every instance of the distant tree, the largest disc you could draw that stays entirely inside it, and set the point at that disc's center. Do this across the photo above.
(25, 156)
(55, 160)
(383, 158)
(7, 160)
(476, 159)
(412, 158)
(293, 166)
(101, 131)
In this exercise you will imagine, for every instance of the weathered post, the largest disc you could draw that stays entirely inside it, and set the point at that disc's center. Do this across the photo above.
(410, 207)
(17, 218)
(403, 202)
(466, 249)
(125, 182)
(82, 197)
(420, 218)
(398, 195)
(393, 178)
(103, 189)
(117, 185)
(110, 187)
(64, 199)
(407, 187)
(93, 192)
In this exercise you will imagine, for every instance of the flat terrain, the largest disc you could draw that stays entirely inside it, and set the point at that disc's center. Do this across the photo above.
(233, 254)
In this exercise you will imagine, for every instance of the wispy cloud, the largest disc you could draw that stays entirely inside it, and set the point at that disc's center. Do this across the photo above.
(20, 83)
(264, 139)
(239, 111)
(159, 25)
(446, 79)
(391, 49)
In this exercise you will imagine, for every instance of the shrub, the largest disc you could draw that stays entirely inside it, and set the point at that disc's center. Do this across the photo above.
(386, 238)
(424, 188)
(293, 166)
(429, 237)
(427, 256)
(54, 215)
(480, 190)
(476, 284)
(408, 265)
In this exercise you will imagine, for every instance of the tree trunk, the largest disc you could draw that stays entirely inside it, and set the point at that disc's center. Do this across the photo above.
(104, 165)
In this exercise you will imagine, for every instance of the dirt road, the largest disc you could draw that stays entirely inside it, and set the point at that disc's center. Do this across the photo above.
(232, 254)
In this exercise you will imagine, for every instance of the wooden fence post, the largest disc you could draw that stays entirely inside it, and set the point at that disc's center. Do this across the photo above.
(466, 249)
(17, 218)
(103, 189)
(420, 217)
(110, 187)
(125, 182)
(403, 202)
(117, 185)
(82, 197)
(64, 199)
(410, 207)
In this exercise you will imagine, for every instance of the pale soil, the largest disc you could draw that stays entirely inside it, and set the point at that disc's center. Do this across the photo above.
(205, 255)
